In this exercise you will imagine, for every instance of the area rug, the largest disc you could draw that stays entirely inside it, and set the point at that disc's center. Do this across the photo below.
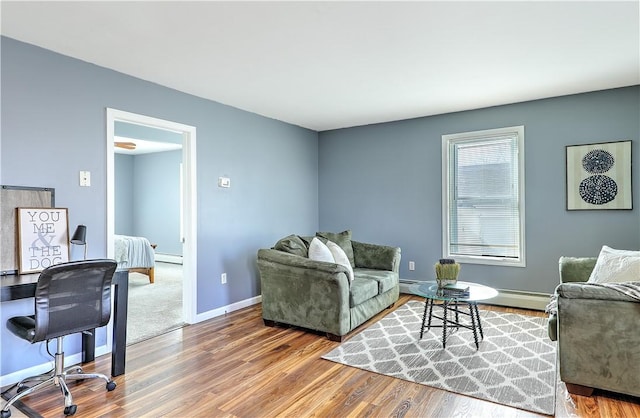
(515, 364)
(154, 308)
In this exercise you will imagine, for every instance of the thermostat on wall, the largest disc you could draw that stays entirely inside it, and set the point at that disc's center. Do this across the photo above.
(224, 182)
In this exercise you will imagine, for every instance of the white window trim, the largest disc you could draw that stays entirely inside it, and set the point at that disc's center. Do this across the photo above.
(471, 136)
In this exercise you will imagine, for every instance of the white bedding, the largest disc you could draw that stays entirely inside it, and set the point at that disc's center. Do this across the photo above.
(133, 252)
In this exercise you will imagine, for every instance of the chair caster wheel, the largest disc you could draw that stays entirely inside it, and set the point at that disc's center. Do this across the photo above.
(5, 414)
(111, 386)
(70, 410)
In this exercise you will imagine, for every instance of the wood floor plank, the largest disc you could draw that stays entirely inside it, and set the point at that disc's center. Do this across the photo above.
(234, 366)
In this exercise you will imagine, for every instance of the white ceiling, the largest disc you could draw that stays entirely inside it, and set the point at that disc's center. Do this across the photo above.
(326, 65)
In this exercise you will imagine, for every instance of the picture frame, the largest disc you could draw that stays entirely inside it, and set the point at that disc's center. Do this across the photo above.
(598, 176)
(11, 198)
(43, 238)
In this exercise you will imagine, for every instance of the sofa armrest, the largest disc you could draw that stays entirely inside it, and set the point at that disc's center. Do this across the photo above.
(303, 292)
(296, 261)
(373, 256)
(598, 338)
(587, 291)
(576, 269)
(579, 292)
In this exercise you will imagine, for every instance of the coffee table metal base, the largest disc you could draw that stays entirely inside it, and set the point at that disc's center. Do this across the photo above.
(449, 308)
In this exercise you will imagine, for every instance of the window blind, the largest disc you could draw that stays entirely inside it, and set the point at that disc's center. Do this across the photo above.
(484, 198)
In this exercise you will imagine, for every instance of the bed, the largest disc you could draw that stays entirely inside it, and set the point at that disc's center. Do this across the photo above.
(135, 254)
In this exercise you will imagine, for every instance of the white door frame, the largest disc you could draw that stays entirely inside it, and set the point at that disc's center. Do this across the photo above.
(189, 208)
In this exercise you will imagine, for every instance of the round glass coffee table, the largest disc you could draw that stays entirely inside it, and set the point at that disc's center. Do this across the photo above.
(454, 301)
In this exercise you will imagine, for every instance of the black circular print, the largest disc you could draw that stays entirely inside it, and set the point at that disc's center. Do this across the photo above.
(597, 161)
(598, 189)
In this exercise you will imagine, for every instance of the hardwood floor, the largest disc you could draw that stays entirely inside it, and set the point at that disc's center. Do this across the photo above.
(234, 366)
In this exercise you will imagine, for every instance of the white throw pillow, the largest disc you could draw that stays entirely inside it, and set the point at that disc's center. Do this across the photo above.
(318, 251)
(616, 266)
(340, 257)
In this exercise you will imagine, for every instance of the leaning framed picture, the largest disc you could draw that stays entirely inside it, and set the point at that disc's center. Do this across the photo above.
(599, 176)
(43, 238)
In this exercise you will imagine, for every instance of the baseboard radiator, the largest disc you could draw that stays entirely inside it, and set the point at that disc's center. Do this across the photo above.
(168, 258)
(506, 297)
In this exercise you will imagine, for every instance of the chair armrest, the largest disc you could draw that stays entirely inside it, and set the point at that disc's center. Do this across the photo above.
(576, 269)
(373, 256)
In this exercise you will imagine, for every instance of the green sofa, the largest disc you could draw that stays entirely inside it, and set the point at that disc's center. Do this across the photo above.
(598, 333)
(318, 295)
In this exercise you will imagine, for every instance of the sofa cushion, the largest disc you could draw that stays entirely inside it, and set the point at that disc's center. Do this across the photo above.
(362, 290)
(292, 244)
(385, 279)
(616, 266)
(340, 257)
(343, 239)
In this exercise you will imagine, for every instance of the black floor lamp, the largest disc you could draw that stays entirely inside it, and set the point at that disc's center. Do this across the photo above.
(80, 238)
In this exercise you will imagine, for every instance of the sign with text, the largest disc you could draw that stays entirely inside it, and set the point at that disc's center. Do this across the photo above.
(43, 236)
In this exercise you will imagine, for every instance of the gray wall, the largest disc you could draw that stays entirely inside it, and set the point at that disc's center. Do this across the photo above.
(149, 187)
(123, 213)
(384, 182)
(157, 200)
(53, 126)
(148, 198)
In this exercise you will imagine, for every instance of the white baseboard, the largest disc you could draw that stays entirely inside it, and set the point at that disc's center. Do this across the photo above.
(518, 299)
(227, 309)
(69, 360)
(168, 258)
(506, 297)
(405, 286)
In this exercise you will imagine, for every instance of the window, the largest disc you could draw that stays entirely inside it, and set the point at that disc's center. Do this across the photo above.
(483, 196)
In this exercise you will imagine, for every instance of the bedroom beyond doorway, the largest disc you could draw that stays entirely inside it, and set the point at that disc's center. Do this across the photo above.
(155, 308)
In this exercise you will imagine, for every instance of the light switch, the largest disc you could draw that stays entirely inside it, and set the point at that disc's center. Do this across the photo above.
(85, 178)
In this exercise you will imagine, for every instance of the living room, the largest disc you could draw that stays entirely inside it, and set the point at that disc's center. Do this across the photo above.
(381, 179)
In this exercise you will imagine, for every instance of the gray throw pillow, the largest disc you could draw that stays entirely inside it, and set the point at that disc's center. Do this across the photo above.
(292, 244)
(343, 239)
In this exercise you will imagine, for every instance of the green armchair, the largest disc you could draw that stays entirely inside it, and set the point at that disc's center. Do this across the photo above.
(597, 332)
(319, 296)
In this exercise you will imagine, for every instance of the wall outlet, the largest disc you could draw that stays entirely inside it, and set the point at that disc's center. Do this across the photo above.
(223, 278)
(412, 265)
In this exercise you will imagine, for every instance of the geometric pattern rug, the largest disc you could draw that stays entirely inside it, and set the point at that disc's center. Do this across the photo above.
(515, 364)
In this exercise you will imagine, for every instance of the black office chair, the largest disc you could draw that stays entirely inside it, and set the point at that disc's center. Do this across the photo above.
(70, 298)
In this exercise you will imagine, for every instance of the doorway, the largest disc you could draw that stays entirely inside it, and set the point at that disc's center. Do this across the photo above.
(188, 207)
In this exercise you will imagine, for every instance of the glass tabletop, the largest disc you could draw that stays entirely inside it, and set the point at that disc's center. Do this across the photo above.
(477, 292)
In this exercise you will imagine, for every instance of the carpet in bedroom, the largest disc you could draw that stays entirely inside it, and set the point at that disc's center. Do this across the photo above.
(154, 308)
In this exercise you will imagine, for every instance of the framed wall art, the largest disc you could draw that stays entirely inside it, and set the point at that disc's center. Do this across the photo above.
(11, 198)
(599, 176)
(43, 238)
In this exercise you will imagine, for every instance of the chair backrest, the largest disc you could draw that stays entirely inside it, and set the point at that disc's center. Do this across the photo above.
(73, 297)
